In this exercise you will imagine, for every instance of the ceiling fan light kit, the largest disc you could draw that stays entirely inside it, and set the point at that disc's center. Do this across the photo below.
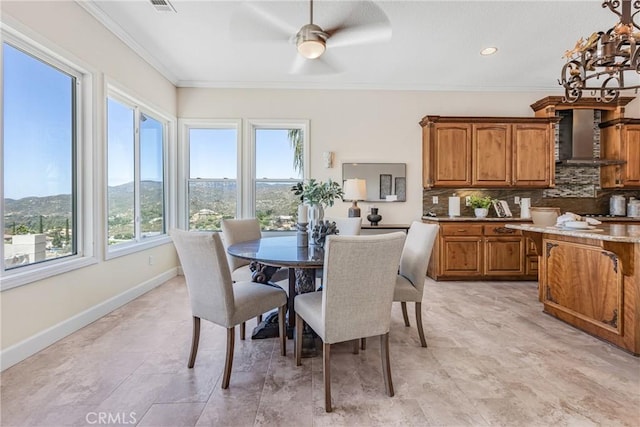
(310, 41)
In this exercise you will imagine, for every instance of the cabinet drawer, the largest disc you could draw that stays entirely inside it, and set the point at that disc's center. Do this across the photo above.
(461, 230)
(500, 230)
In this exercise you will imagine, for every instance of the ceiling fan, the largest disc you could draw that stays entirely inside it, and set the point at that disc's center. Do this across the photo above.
(352, 23)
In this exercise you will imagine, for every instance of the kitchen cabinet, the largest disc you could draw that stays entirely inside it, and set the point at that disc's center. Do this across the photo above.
(450, 161)
(478, 250)
(487, 152)
(620, 140)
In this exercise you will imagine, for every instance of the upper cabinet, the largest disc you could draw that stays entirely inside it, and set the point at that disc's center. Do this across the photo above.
(487, 151)
(620, 141)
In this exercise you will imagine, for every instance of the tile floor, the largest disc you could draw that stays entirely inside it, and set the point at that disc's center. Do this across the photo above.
(493, 359)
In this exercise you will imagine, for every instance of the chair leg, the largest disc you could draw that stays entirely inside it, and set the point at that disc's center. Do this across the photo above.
(405, 315)
(195, 339)
(228, 362)
(386, 365)
(283, 333)
(363, 343)
(243, 328)
(418, 307)
(297, 340)
(326, 373)
(356, 346)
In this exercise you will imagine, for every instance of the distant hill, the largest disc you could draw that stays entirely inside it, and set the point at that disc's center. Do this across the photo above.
(273, 199)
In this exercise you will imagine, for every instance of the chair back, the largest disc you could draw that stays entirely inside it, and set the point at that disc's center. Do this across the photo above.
(417, 251)
(206, 272)
(347, 226)
(236, 231)
(359, 280)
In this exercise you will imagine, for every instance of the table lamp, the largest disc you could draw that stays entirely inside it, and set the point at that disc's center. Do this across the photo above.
(355, 189)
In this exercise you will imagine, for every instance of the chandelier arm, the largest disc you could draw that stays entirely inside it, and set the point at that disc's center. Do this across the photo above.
(613, 6)
(633, 16)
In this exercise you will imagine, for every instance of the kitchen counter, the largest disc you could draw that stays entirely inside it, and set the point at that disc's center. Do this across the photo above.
(591, 278)
(473, 219)
(608, 219)
(609, 232)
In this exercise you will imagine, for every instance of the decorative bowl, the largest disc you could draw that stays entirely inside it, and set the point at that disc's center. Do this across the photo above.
(544, 216)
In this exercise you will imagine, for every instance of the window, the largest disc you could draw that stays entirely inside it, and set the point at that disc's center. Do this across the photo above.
(41, 158)
(213, 169)
(279, 165)
(231, 175)
(136, 173)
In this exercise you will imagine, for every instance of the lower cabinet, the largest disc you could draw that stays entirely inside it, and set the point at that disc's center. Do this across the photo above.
(478, 251)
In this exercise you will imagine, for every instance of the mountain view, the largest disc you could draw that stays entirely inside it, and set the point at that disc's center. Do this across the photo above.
(209, 203)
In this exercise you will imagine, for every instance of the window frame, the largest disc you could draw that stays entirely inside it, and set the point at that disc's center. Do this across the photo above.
(83, 159)
(246, 168)
(184, 160)
(252, 125)
(117, 93)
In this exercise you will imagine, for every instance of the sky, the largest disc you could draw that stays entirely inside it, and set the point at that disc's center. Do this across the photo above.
(38, 138)
(37, 127)
(213, 154)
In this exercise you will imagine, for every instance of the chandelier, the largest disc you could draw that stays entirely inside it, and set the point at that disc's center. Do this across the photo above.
(601, 63)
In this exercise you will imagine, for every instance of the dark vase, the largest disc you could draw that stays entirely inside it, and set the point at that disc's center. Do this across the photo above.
(373, 217)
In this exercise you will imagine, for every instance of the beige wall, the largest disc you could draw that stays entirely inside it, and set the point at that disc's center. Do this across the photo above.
(68, 29)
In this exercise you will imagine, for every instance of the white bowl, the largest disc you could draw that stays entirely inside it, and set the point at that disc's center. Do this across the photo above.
(576, 224)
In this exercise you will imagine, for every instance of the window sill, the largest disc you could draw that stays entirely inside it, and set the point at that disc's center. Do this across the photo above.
(25, 275)
(130, 248)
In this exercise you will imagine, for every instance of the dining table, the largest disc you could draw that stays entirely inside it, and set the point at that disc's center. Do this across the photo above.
(268, 254)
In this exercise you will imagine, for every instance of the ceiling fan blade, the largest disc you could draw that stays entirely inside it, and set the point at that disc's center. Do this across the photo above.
(253, 22)
(365, 23)
(316, 66)
(361, 34)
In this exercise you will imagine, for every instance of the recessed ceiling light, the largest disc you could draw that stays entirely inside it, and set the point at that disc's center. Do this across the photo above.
(488, 51)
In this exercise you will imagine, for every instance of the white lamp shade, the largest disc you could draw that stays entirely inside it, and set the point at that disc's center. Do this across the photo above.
(355, 189)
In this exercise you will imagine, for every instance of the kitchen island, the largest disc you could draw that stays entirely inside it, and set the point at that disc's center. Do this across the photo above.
(591, 278)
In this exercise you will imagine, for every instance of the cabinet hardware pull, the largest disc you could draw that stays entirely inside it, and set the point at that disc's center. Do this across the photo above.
(462, 231)
(504, 230)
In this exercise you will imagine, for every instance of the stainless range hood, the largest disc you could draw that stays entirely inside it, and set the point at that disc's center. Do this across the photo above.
(576, 139)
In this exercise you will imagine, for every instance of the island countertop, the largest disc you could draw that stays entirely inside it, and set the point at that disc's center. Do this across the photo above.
(608, 232)
(472, 219)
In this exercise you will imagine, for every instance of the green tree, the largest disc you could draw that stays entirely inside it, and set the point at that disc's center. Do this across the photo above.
(22, 229)
(295, 139)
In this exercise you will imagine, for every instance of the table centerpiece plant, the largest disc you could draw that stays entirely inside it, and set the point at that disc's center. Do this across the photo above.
(317, 195)
(480, 205)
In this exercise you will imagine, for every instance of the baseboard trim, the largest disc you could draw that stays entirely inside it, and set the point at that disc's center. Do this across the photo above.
(30, 346)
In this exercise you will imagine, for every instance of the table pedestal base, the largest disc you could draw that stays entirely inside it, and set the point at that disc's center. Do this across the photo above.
(301, 280)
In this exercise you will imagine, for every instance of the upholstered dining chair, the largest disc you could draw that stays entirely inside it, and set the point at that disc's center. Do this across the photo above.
(214, 296)
(236, 231)
(242, 230)
(347, 226)
(413, 270)
(359, 275)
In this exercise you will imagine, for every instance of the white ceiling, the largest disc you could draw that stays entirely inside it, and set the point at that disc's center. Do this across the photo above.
(434, 45)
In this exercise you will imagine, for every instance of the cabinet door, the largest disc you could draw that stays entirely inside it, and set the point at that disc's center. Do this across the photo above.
(504, 256)
(461, 256)
(631, 153)
(532, 155)
(610, 149)
(491, 153)
(451, 154)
